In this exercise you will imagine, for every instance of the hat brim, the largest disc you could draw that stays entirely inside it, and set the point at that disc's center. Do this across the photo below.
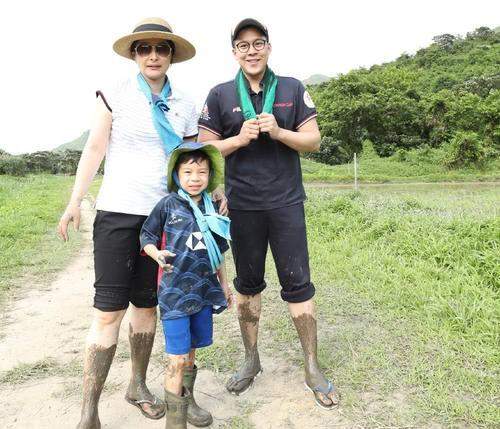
(216, 164)
(184, 50)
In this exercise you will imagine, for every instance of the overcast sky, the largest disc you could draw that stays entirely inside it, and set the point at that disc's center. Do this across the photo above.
(57, 53)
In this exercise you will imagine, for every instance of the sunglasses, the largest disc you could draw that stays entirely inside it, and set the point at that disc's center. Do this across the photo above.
(145, 49)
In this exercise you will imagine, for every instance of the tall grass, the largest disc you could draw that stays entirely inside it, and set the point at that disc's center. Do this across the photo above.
(428, 262)
(30, 208)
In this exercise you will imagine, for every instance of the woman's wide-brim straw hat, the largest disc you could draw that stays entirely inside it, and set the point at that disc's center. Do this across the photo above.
(155, 28)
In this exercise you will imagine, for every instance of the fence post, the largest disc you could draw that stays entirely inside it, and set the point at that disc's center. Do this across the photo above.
(355, 172)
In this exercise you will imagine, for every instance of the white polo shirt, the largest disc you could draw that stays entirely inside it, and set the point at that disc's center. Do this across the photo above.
(136, 164)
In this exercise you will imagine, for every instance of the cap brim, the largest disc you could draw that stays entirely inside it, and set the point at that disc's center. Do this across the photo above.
(184, 50)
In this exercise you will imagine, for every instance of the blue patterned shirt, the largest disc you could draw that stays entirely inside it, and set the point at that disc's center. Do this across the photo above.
(191, 285)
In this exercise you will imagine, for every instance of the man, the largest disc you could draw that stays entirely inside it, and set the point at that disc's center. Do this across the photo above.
(261, 122)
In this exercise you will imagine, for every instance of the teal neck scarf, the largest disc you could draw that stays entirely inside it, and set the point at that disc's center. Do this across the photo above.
(159, 109)
(210, 222)
(270, 82)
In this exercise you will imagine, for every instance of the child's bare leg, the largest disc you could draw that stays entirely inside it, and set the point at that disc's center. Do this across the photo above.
(174, 373)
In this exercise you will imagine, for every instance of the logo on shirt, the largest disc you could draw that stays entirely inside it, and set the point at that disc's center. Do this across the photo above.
(205, 115)
(174, 219)
(308, 100)
(287, 104)
(195, 241)
(237, 109)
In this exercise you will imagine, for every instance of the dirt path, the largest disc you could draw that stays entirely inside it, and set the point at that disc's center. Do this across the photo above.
(41, 345)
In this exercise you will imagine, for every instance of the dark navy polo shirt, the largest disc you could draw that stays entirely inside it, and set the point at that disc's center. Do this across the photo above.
(265, 174)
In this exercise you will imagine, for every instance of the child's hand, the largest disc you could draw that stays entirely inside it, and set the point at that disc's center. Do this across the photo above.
(165, 259)
(229, 296)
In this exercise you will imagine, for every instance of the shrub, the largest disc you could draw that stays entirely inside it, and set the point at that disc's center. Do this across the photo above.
(13, 165)
(465, 149)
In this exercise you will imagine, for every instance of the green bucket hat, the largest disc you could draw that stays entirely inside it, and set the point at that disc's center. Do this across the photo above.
(216, 164)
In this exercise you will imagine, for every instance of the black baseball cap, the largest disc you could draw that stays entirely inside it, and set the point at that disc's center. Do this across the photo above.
(246, 23)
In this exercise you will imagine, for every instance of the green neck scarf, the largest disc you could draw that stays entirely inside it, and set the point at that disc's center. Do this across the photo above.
(270, 81)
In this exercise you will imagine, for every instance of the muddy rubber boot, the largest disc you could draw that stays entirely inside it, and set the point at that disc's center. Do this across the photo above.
(196, 415)
(177, 407)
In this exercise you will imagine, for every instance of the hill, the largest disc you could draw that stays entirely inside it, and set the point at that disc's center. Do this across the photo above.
(316, 79)
(445, 96)
(76, 144)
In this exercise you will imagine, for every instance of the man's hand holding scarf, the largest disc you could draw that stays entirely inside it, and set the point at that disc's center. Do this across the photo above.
(267, 124)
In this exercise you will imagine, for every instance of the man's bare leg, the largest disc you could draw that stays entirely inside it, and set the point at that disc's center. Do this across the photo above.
(142, 330)
(249, 308)
(99, 352)
(304, 318)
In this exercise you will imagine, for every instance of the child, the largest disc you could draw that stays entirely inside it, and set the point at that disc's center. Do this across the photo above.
(187, 238)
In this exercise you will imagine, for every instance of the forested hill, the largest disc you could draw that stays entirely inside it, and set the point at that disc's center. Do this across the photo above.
(445, 98)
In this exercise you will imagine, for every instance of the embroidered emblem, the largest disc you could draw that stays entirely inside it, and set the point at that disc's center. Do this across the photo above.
(205, 115)
(308, 100)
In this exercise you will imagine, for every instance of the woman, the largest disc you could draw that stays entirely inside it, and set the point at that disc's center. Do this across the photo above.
(137, 125)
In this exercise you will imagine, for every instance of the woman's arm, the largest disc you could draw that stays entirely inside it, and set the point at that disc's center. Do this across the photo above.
(92, 156)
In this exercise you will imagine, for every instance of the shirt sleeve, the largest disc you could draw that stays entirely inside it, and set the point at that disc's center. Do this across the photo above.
(210, 117)
(305, 108)
(152, 228)
(222, 243)
(191, 123)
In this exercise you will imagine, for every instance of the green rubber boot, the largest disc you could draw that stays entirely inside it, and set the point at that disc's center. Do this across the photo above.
(176, 409)
(196, 415)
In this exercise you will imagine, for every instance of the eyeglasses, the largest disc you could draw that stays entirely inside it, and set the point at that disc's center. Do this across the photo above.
(244, 47)
(145, 49)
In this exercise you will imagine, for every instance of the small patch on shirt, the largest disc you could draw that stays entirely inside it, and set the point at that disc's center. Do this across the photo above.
(205, 115)
(308, 100)
(237, 109)
(174, 219)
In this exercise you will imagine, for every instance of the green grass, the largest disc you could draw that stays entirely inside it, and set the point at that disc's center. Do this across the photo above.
(373, 169)
(418, 272)
(44, 368)
(30, 208)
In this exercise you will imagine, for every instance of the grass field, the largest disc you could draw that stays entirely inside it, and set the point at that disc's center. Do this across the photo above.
(30, 208)
(418, 168)
(407, 280)
(426, 262)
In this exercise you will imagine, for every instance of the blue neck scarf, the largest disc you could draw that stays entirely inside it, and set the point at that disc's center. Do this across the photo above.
(208, 223)
(159, 108)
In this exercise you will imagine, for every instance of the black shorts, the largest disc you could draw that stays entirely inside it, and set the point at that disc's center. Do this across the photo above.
(284, 229)
(122, 274)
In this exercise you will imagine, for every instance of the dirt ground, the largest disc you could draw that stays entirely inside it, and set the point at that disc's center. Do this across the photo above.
(46, 325)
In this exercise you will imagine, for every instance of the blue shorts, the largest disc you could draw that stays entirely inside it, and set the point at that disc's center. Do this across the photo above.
(189, 332)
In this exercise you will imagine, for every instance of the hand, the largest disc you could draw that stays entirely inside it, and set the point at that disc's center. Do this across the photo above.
(249, 131)
(164, 260)
(267, 124)
(218, 195)
(229, 296)
(72, 213)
